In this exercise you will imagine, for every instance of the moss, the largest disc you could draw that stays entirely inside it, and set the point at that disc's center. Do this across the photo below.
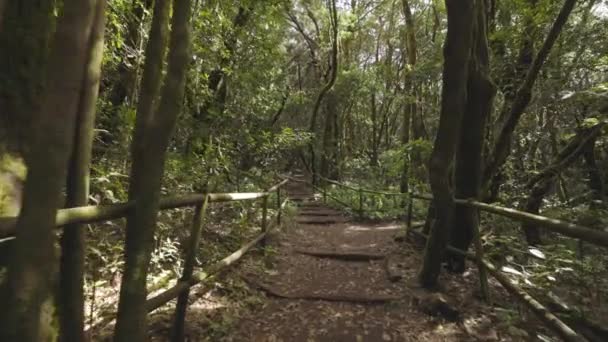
(12, 174)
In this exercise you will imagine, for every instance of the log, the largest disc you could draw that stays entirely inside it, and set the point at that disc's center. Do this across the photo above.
(341, 255)
(572, 230)
(97, 213)
(548, 318)
(375, 299)
(277, 186)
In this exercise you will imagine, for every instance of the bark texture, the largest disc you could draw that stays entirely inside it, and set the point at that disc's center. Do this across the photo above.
(29, 311)
(148, 168)
(456, 51)
(71, 281)
(25, 31)
(468, 167)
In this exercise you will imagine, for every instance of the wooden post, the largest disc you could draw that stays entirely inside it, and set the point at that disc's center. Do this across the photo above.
(264, 217)
(483, 276)
(409, 215)
(190, 259)
(360, 203)
(324, 196)
(279, 206)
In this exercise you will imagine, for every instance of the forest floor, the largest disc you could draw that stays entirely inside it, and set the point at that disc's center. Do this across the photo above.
(335, 280)
(328, 278)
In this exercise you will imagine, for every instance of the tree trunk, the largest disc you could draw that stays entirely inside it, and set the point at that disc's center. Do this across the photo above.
(28, 315)
(596, 182)
(71, 279)
(149, 168)
(329, 158)
(405, 139)
(411, 111)
(326, 88)
(522, 98)
(544, 182)
(456, 51)
(467, 172)
(150, 86)
(25, 32)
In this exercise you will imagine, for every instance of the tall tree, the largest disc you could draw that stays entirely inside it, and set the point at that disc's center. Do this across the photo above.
(155, 133)
(410, 110)
(331, 80)
(456, 51)
(468, 166)
(30, 282)
(71, 279)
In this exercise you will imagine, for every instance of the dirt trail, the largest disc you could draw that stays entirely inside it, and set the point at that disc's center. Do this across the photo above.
(330, 283)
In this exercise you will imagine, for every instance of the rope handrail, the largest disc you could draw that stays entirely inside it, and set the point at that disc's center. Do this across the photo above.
(96, 213)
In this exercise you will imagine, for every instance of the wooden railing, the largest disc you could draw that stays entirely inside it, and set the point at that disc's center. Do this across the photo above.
(360, 208)
(572, 230)
(92, 214)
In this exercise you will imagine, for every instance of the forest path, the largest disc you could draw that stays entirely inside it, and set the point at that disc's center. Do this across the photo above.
(330, 281)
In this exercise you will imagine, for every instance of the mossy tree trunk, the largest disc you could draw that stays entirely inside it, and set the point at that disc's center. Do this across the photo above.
(25, 31)
(456, 51)
(28, 315)
(468, 166)
(150, 87)
(148, 168)
(71, 279)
